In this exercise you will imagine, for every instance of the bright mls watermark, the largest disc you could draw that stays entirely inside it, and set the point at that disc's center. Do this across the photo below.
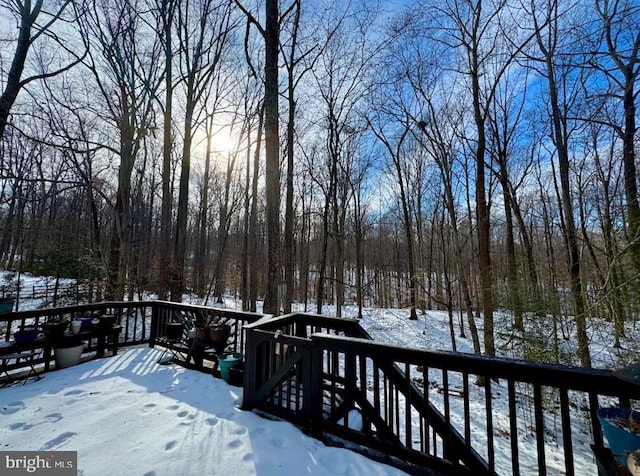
(50, 463)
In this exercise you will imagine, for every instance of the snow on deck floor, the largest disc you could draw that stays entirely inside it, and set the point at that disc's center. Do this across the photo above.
(128, 415)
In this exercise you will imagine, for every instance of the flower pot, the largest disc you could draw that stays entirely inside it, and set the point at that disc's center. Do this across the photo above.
(85, 323)
(68, 356)
(236, 375)
(219, 334)
(620, 427)
(26, 334)
(202, 334)
(227, 361)
(76, 325)
(107, 322)
(54, 330)
(174, 330)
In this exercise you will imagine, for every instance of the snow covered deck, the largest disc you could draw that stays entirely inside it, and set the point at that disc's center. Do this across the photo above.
(128, 415)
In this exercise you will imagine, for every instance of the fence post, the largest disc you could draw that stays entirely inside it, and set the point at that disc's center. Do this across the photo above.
(155, 321)
(250, 370)
(313, 398)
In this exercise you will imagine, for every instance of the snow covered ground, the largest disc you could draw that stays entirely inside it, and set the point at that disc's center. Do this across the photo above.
(167, 420)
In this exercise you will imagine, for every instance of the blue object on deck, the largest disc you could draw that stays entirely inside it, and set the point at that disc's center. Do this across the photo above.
(619, 426)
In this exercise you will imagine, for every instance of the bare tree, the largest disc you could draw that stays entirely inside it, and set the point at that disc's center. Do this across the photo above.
(204, 29)
(271, 34)
(123, 65)
(36, 25)
(617, 57)
(548, 35)
(473, 27)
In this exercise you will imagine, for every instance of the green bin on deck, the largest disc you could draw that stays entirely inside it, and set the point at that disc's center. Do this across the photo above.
(6, 305)
(228, 360)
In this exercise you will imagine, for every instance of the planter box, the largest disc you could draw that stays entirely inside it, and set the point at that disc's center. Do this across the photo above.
(68, 356)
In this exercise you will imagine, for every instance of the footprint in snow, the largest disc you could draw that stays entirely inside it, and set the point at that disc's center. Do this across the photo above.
(57, 441)
(74, 392)
(11, 408)
(234, 444)
(147, 407)
(171, 445)
(53, 417)
(213, 421)
(279, 443)
(19, 426)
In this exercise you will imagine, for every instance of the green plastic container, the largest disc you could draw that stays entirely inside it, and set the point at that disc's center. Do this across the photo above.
(227, 361)
(6, 305)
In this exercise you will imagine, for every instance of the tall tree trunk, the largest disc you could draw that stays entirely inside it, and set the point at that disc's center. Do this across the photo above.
(571, 241)
(482, 214)
(180, 249)
(119, 237)
(272, 149)
(202, 260)
(253, 219)
(165, 259)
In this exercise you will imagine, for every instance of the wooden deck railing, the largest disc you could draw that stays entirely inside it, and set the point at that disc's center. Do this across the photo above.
(423, 411)
(426, 407)
(142, 322)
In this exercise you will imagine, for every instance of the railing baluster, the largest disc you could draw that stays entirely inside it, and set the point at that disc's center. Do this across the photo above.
(447, 417)
(425, 395)
(566, 432)
(537, 403)
(407, 410)
(513, 428)
(363, 366)
(376, 389)
(397, 408)
(595, 423)
(466, 409)
(488, 398)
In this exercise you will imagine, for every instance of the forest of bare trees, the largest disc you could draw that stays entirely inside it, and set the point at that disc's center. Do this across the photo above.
(473, 156)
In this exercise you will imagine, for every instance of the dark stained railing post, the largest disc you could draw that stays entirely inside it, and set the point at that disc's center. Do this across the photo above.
(250, 369)
(155, 319)
(313, 398)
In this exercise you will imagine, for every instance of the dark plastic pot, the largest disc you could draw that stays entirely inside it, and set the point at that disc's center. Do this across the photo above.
(85, 323)
(174, 330)
(54, 330)
(236, 375)
(25, 334)
(107, 322)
